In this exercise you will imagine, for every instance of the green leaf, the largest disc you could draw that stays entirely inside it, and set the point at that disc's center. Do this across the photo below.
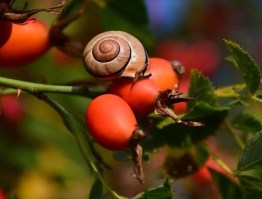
(181, 135)
(96, 190)
(202, 109)
(163, 192)
(247, 123)
(250, 168)
(232, 189)
(201, 86)
(129, 16)
(246, 65)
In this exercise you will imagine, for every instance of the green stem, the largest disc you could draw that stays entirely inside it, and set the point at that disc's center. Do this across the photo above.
(43, 88)
(239, 142)
(81, 141)
(229, 91)
(218, 160)
(232, 92)
(256, 99)
(8, 91)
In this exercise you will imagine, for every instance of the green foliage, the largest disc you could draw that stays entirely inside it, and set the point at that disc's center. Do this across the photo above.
(129, 16)
(247, 123)
(163, 192)
(202, 88)
(246, 65)
(226, 186)
(249, 168)
(96, 190)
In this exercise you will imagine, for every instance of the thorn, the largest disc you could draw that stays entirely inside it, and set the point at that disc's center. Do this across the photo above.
(19, 90)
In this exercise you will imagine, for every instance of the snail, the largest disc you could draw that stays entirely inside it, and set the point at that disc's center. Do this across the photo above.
(114, 54)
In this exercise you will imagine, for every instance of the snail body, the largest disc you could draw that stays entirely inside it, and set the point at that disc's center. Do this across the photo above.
(115, 54)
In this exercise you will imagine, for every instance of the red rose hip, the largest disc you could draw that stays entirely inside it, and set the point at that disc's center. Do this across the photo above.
(110, 121)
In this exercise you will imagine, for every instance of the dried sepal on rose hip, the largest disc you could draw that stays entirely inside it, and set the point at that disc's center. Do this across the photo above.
(112, 124)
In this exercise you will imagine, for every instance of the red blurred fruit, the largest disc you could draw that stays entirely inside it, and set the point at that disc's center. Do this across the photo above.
(11, 108)
(22, 44)
(61, 58)
(202, 176)
(2, 195)
(218, 19)
(202, 54)
(212, 164)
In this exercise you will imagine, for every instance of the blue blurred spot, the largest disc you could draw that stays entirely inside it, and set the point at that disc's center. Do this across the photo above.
(166, 15)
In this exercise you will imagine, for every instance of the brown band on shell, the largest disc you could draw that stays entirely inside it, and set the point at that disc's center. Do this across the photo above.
(128, 60)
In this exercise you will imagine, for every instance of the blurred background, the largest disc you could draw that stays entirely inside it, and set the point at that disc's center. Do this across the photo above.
(39, 159)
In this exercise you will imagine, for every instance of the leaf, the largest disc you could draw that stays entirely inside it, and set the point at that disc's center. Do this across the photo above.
(129, 16)
(163, 192)
(246, 65)
(232, 189)
(249, 168)
(202, 109)
(96, 190)
(201, 86)
(247, 123)
(180, 135)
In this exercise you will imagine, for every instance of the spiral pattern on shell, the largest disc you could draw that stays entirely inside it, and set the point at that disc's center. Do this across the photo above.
(112, 54)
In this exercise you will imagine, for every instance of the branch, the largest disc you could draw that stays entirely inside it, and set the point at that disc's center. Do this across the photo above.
(44, 88)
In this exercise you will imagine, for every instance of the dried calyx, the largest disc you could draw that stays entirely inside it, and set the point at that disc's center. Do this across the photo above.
(137, 153)
(166, 99)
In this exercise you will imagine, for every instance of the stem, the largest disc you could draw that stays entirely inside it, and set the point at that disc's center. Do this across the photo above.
(239, 142)
(8, 91)
(82, 143)
(256, 99)
(229, 91)
(218, 160)
(35, 88)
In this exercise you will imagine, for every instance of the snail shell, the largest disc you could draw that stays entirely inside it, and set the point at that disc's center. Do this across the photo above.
(115, 54)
